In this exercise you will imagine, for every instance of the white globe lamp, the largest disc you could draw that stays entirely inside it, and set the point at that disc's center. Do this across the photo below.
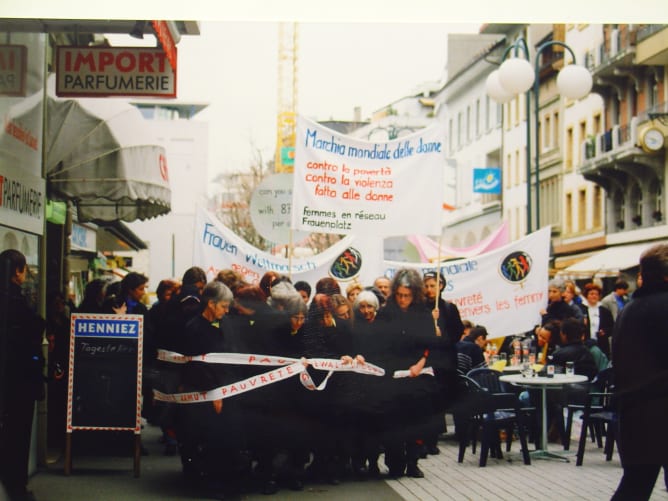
(495, 90)
(516, 75)
(574, 81)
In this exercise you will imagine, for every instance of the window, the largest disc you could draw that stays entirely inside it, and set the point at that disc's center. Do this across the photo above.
(597, 206)
(477, 118)
(653, 92)
(546, 135)
(468, 124)
(556, 141)
(568, 158)
(460, 126)
(568, 227)
(488, 112)
(517, 167)
(597, 124)
(508, 170)
(516, 101)
(451, 135)
(582, 210)
(583, 136)
(499, 114)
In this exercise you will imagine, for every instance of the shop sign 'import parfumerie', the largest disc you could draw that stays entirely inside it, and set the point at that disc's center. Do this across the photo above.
(114, 71)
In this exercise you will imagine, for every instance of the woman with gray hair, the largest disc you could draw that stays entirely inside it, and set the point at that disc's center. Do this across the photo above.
(212, 438)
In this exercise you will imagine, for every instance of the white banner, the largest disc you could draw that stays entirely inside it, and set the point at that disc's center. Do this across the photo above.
(504, 289)
(348, 186)
(216, 248)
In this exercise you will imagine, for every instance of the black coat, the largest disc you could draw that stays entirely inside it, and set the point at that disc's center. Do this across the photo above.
(583, 361)
(24, 359)
(639, 348)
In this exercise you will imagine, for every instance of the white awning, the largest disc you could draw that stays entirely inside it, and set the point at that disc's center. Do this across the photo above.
(611, 260)
(100, 155)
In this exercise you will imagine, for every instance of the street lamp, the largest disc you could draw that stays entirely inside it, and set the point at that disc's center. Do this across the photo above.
(516, 75)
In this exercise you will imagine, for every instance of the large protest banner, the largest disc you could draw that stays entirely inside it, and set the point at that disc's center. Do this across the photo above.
(216, 247)
(346, 186)
(504, 289)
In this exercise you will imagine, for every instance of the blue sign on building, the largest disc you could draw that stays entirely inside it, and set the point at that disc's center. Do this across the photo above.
(487, 180)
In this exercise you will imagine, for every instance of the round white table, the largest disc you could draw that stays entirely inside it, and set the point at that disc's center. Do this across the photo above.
(544, 383)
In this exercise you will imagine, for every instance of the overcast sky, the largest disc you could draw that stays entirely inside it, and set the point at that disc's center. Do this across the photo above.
(233, 67)
(368, 54)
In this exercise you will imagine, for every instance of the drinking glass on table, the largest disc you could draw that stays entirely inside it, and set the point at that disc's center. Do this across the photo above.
(527, 369)
(570, 368)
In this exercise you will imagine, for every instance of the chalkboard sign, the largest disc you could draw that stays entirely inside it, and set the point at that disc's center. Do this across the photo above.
(104, 387)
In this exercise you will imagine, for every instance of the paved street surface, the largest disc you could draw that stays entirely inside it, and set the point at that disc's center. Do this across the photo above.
(101, 479)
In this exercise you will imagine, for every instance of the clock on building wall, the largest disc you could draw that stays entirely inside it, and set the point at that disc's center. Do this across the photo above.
(652, 139)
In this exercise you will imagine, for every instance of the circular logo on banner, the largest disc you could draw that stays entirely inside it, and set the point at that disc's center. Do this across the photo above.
(347, 265)
(271, 209)
(516, 266)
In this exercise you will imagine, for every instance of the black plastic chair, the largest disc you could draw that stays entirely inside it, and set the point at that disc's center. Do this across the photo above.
(489, 380)
(485, 412)
(575, 399)
(600, 411)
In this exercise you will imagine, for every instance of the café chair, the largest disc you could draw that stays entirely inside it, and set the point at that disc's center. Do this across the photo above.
(489, 380)
(575, 398)
(481, 412)
(600, 412)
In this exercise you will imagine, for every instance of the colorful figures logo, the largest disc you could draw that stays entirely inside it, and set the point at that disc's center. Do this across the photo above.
(516, 266)
(347, 265)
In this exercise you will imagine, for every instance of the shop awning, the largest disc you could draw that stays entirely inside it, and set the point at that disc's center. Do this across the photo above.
(610, 261)
(101, 156)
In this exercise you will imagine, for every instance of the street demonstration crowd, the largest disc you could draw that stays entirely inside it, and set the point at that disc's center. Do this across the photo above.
(408, 350)
(283, 434)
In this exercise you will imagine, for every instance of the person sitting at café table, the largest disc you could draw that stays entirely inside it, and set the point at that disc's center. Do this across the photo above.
(573, 349)
(547, 340)
(470, 353)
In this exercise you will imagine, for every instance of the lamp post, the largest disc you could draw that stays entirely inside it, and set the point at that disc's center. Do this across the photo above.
(516, 75)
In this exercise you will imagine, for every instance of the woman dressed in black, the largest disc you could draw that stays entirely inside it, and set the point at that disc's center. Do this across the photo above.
(21, 381)
(211, 433)
(410, 336)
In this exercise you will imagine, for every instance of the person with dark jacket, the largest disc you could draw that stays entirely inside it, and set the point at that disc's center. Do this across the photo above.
(557, 309)
(212, 433)
(409, 340)
(169, 324)
(573, 349)
(639, 347)
(470, 353)
(21, 379)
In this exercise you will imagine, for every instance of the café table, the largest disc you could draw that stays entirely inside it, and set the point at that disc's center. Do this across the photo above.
(544, 383)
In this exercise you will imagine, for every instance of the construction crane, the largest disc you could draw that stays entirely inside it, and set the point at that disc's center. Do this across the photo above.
(287, 97)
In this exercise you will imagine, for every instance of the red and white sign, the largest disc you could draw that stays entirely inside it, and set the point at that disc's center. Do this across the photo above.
(114, 71)
(13, 70)
(164, 35)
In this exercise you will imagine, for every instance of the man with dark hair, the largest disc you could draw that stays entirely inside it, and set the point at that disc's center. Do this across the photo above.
(639, 347)
(169, 329)
(21, 381)
(470, 353)
(617, 299)
(304, 289)
(574, 350)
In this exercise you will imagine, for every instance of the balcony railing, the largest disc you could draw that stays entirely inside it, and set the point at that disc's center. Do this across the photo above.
(648, 30)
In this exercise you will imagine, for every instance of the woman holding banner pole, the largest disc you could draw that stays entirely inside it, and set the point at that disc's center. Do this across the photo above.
(450, 328)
